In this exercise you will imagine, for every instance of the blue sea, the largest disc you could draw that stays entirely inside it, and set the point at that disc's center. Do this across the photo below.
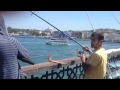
(39, 51)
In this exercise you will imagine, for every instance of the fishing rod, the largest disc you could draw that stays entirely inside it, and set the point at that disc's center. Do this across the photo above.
(58, 30)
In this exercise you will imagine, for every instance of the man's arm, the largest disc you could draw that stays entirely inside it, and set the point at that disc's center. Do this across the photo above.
(87, 49)
(92, 61)
(23, 54)
(86, 66)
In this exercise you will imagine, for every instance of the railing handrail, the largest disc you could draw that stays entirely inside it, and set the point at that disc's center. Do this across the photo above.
(46, 66)
(32, 69)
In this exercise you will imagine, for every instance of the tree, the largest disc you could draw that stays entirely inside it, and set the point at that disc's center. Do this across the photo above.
(43, 34)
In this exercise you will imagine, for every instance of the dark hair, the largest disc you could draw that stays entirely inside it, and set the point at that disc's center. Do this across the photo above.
(99, 34)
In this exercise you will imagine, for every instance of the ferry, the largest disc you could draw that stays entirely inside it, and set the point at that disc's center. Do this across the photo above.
(57, 41)
(116, 41)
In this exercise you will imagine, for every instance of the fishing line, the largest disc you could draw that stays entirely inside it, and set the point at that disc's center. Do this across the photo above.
(90, 21)
(114, 18)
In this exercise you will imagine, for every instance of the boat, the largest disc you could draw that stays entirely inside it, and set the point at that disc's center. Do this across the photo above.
(57, 41)
(116, 41)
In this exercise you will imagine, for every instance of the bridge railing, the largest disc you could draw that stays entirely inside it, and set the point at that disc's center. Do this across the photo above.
(72, 69)
(113, 63)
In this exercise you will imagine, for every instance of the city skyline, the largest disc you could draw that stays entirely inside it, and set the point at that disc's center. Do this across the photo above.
(64, 20)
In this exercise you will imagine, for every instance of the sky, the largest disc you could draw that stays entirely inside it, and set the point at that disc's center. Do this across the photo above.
(63, 20)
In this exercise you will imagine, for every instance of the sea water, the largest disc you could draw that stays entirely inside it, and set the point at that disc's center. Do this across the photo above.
(39, 51)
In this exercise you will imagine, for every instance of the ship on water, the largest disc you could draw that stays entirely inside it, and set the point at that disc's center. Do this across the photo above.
(59, 39)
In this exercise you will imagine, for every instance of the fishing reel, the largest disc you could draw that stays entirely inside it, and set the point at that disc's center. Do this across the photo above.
(79, 53)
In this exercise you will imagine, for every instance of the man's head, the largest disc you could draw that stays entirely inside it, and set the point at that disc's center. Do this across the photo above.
(3, 30)
(96, 39)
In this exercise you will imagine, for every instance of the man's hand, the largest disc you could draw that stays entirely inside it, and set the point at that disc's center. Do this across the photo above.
(78, 52)
(51, 60)
(86, 48)
(83, 58)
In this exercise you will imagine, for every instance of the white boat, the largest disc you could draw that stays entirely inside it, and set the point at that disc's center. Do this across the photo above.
(57, 41)
(116, 40)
